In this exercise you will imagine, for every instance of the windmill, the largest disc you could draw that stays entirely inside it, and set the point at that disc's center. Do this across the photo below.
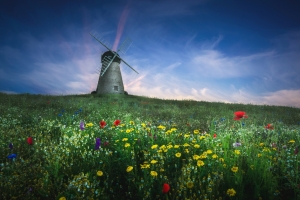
(110, 78)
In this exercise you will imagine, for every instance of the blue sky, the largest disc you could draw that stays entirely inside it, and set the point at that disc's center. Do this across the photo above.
(206, 50)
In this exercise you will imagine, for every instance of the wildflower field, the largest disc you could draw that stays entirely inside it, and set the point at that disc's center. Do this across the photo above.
(130, 147)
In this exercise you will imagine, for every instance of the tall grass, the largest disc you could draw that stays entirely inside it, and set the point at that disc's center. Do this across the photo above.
(197, 148)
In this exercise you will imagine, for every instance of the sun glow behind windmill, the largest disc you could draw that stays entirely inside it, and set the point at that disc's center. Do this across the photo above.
(110, 77)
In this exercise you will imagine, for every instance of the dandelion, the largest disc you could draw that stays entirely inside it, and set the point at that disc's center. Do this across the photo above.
(166, 188)
(153, 173)
(99, 173)
(178, 155)
(89, 124)
(196, 146)
(144, 166)
(196, 157)
(124, 139)
(153, 161)
(231, 192)
(200, 163)
(190, 184)
(202, 137)
(117, 122)
(154, 146)
(261, 144)
(292, 141)
(129, 169)
(221, 159)
(209, 151)
(215, 156)
(240, 114)
(237, 152)
(186, 145)
(234, 169)
(196, 131)
(258, 155)
(176, 146)
(127, 145)
(62, 198)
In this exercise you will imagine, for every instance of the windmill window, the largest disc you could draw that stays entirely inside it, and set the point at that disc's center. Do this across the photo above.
(116, 88)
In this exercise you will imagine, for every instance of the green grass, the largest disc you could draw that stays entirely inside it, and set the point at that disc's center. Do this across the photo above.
(172, 140)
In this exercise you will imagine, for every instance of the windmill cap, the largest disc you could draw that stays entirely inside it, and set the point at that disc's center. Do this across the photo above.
(108, 54)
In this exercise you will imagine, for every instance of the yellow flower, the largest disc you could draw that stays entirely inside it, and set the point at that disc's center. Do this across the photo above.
(143, 125)
(62, 198)
(231, 192)
(196, 157)
(161, 127)
(153, 173)
(197, 146)
(128, 131)
(186, 136)
(259, 155)
(124, 139)
(186, 145)
(261, 144)
(292, 141)
(154, 146)
(200, 163)
(215, 156)
(186, 150)
(99, 173)
(202, 137)
(129, 169)
(89, 124)
(176, 146)
(127, 145)
(221, 159)
(173, 129)
(131, 122)
(170, 146)
(252, 167)
(178, 155)
(196, 131)
(144, 166)
(153, 161)
(190, 184)
(237, 152)
(209, 151)
(234, 169)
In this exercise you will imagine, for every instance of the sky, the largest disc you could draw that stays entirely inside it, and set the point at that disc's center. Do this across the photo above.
(206, 50)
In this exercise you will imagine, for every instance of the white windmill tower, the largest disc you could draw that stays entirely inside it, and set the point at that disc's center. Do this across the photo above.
(110, 79)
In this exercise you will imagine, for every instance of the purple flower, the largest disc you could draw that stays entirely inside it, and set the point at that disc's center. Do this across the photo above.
(97, 144)
(81, 125)
(10, 146)
(12, 156)
(236, 144)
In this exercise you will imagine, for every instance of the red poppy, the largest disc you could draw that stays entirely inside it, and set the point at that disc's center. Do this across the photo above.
(240, 114)
(117, 122)
(29, 141)
(166, 188)
(215, 135)
(102, 124)
(269, 126)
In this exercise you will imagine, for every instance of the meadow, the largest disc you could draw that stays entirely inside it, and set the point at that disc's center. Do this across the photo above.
(131, 147)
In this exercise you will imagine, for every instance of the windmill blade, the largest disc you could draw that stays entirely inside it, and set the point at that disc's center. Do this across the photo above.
(127, 64)
(125, 45)
(100, 42)
(107, 60)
